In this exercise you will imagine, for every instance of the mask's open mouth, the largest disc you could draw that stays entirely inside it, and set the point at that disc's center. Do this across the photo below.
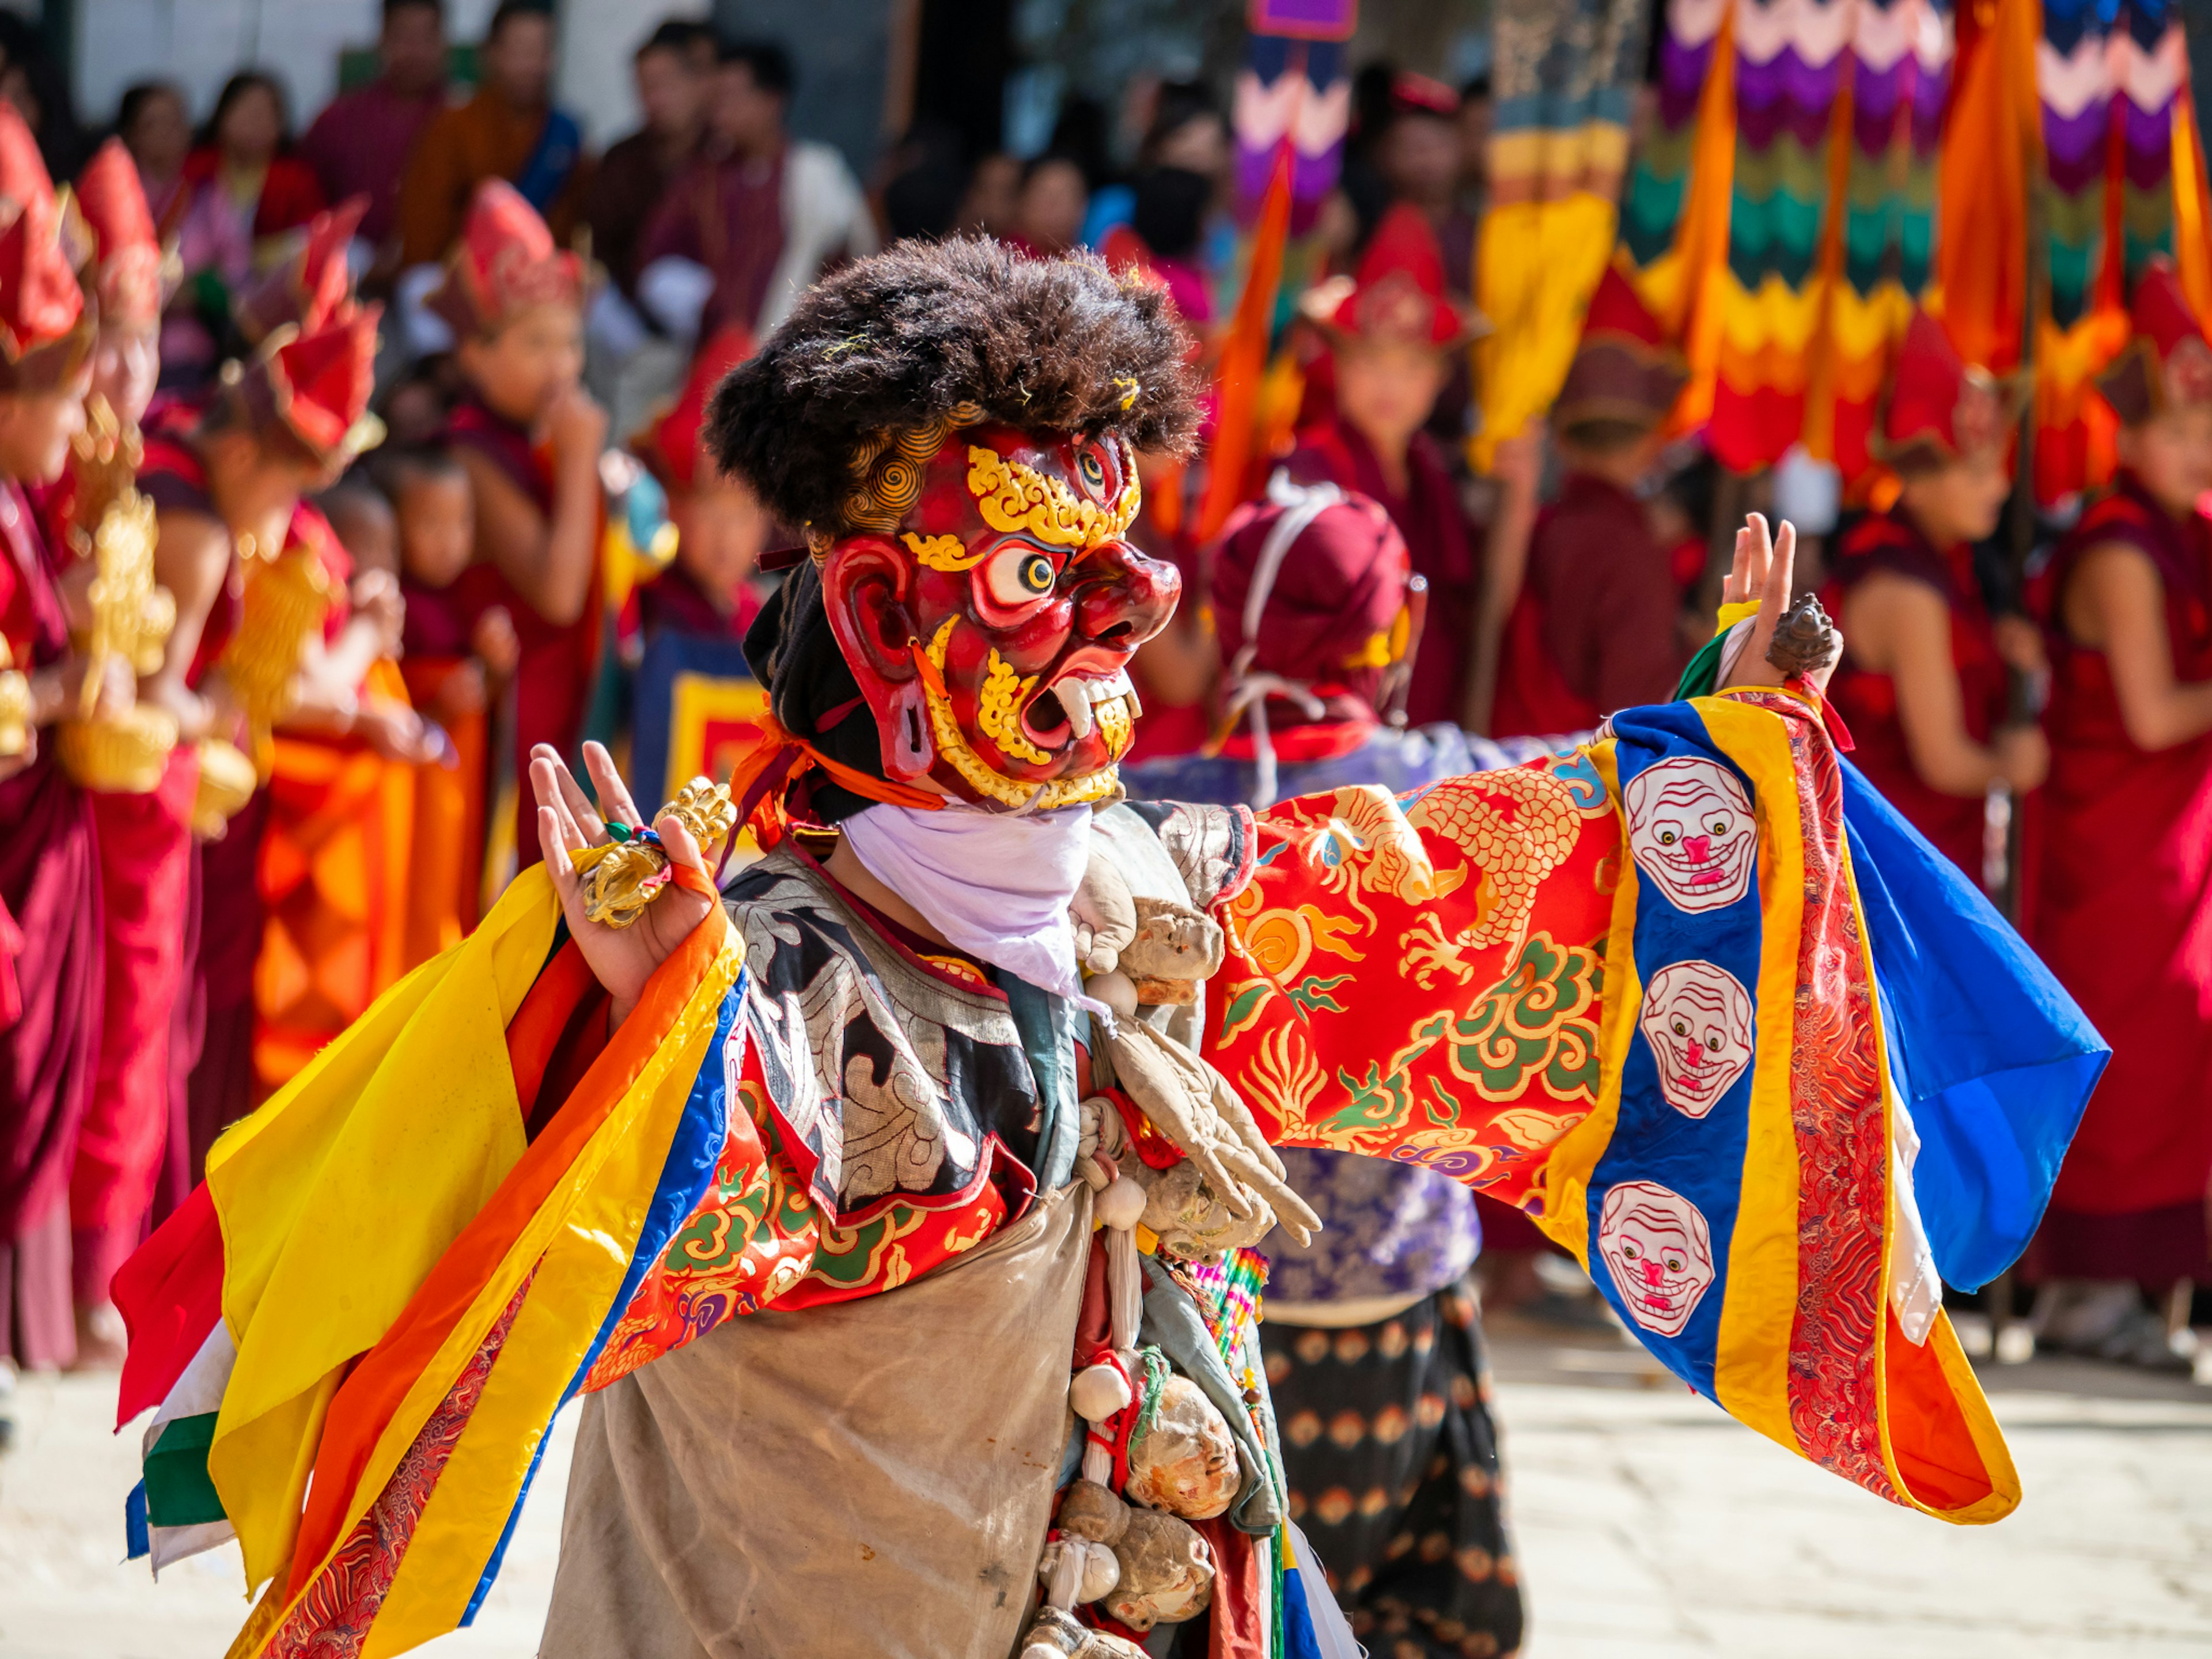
(1072, 706)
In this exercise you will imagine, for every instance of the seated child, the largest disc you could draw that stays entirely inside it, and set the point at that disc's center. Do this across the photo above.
(460, 657)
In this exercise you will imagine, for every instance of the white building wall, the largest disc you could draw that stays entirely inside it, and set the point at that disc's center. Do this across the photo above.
(198, 43)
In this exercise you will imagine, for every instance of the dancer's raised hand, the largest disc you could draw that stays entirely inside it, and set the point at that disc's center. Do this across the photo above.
(623, 959)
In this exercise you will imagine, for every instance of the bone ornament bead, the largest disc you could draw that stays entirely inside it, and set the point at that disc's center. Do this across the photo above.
(1095, 1570)
(1097, 1393)
(1123, 1205)
(1057, 1635)
(1193, 1106)
(1190, 1218)
(1116, 990)
(1104, 909)
(1167, 1570)
(1184, 1460)
(1172, 942)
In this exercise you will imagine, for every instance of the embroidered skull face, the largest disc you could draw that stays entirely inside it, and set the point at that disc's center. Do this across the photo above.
(1692, 832)
(990, 612)
(1698, 1019)
(1661, 1255)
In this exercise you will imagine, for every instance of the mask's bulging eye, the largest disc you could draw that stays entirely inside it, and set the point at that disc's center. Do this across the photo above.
(1017, 576)
(1092, 470)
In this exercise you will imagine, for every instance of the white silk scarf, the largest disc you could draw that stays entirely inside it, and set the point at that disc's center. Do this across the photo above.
(994, 885)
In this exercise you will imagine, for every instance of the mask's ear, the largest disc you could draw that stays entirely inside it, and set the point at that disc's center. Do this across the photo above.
(864, 585)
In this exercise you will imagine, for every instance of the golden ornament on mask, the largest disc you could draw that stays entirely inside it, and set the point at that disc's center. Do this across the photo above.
(1016, 498)
(622, 879)
(946, 553)
(999, 711)
(1116, 729)
(994, 786)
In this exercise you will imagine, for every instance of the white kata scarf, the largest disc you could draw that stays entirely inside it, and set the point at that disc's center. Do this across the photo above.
(995, 886)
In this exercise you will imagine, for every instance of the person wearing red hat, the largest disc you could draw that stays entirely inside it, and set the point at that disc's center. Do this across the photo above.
(2124, 893)
(48, 872)
(721, 529)
(1393, 335)
(1319, 615)
(1922, 685)
(226, 481)
(129, 281)
(695, 706)
(530, 438)
(1592, 627)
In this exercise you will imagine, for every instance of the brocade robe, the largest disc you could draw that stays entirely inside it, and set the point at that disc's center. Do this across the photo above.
(803, 1112)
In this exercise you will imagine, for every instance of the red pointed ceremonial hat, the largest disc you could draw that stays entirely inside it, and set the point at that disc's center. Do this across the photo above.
(2167, 361)
(505, 262)
(311, 288)
(126, 275)
(1623, 369)
(1940, 407)
(316, 386)
(1398, 293)
(669, 447)
(45, 326)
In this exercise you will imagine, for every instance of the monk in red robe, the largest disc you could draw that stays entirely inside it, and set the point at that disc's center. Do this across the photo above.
(225, 483)
(1394, 336)
(1922, 685)
(1592, 628)
(530, 438)
(2126, 892)
(49, 872)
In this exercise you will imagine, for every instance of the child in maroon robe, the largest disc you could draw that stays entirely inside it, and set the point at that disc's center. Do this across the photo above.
(457, 661)
(1594, 626)
(2126, 892)
(530, 438)
(721, 529)
(1923, 684)
(49, 874)
(1394, 336)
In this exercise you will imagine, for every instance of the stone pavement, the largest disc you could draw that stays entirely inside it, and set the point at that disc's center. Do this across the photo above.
(1649, 1525)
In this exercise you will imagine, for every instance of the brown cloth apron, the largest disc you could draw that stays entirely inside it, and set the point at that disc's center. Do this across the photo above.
(864, 1481)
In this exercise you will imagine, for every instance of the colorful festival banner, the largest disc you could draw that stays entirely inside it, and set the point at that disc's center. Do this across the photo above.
(1562, 74)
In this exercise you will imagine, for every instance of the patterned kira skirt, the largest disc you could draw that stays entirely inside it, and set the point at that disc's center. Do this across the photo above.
(1392, 1459)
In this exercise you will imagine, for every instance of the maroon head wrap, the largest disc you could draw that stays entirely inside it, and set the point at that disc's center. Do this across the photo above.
(1314, 598)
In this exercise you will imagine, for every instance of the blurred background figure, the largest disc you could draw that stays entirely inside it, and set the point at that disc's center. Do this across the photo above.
(156, 128)
(1048, 206)
(1393, 335)
(510, 131)
(1592, 628)
(1923, 684)
(360, 144)
(530, 438)
(241, 189)
(755, 216)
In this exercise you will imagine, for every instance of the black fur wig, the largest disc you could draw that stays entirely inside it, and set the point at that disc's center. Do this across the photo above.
(898, 340)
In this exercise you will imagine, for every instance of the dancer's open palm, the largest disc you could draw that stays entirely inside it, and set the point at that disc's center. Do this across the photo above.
(623, 959)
